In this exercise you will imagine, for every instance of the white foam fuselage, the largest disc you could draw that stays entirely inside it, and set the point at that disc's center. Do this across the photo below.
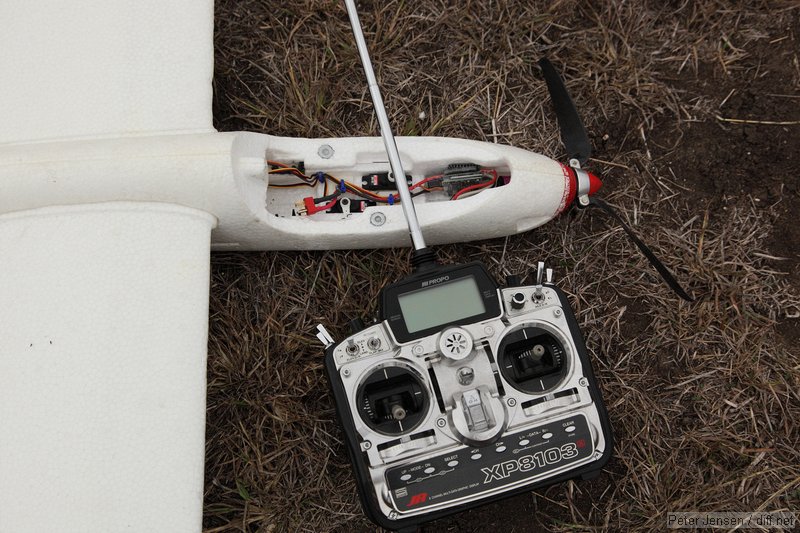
(225, 175)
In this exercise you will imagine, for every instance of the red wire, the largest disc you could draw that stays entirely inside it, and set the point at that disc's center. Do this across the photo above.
(426, 180)
(328, 205)
(478, 185)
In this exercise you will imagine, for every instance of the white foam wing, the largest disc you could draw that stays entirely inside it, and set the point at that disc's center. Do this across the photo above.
(103, 304)
(104, 68)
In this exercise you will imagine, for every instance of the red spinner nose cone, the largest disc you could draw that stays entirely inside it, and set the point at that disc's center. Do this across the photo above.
(594, 183)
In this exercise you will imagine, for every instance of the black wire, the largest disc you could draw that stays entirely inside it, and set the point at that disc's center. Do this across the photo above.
(291, 185)
(335, 194)
(308, 180)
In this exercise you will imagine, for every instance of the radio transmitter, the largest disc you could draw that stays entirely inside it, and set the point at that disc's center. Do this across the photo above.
(465, 392)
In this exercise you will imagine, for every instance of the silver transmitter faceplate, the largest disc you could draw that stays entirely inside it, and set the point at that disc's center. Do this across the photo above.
(472, 411)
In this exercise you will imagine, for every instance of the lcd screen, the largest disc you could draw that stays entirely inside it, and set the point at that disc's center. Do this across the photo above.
(441, 304)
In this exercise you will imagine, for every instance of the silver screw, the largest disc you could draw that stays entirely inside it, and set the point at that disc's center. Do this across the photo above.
(346, 372)
(583, 382)
(511, 402)
(366, 445)
(392, 515)
(377, 219)
(558, 312)
(441, 422)
(325, 151)
(417, 349)
(489, 330)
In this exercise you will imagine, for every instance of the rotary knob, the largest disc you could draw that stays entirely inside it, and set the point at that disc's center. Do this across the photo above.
(518, 300)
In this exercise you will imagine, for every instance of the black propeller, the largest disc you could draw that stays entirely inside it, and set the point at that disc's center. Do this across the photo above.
(573, 132)
(576, 141)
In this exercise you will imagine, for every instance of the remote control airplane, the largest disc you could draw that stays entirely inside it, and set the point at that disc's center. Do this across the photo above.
(115, 187)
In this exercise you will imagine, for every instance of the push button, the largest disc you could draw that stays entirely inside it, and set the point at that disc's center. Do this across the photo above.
(518, 300)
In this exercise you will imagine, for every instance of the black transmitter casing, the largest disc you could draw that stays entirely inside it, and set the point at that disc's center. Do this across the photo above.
(481, 407)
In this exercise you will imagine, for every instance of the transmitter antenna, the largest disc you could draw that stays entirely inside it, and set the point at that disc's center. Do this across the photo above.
(386, 131)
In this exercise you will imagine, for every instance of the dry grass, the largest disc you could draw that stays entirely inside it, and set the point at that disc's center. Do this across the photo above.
(703, 397)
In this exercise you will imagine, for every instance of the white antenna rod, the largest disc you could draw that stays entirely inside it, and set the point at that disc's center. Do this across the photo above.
(386, 130)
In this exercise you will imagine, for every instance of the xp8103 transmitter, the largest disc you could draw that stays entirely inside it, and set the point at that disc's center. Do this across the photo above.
(463, 392)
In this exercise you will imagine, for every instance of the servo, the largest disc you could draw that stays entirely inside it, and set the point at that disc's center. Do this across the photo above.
(381, 181)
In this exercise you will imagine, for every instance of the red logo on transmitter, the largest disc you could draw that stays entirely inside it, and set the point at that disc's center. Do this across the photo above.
(416, 499)
(580, 443)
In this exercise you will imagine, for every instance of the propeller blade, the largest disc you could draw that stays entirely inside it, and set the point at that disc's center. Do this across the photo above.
(573, 133)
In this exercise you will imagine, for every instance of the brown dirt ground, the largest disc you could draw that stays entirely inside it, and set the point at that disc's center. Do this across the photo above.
(703, 397)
